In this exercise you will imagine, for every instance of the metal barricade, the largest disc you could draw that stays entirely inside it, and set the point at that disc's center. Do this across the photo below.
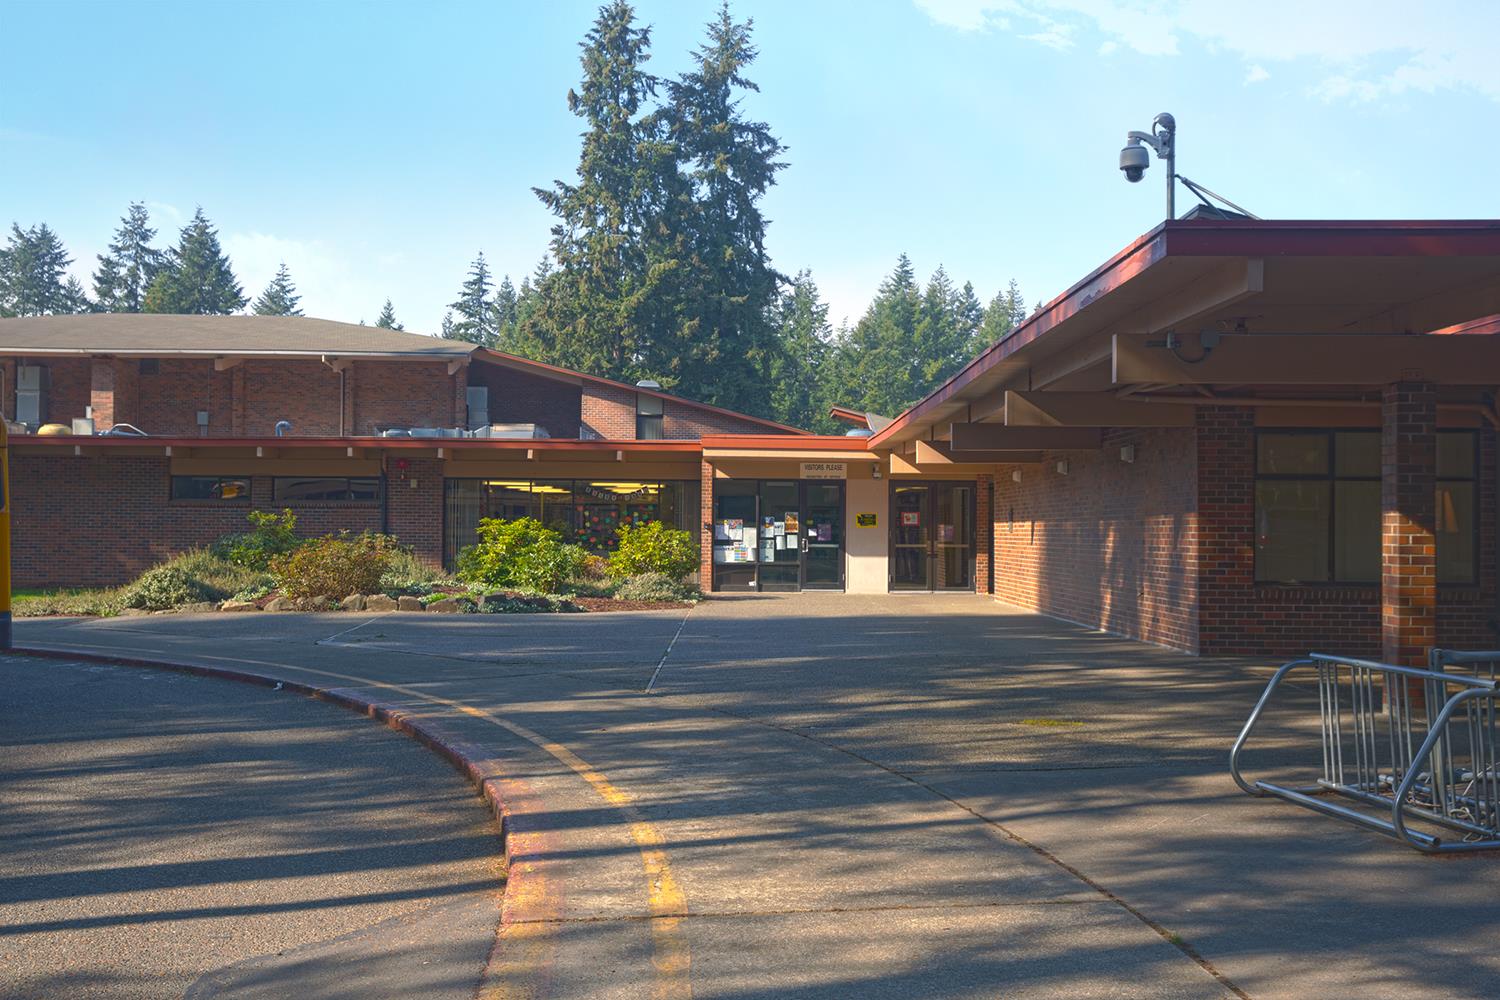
(1416, 745)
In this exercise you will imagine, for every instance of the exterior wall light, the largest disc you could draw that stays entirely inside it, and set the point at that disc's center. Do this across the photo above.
(1062, 467)
(1127, 453)
(1015, 475)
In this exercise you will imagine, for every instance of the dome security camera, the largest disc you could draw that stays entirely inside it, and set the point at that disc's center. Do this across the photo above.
(1134, 159)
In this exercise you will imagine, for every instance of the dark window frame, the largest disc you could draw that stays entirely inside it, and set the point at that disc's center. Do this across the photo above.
(346, 501)
(645, 418)
(172, 496)
(1332, 478)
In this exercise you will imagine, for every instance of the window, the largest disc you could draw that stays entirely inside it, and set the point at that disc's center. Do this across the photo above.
(1457, 486)
(1318, 507)
(211, 488)
(324, 490)
(150, 366)
(648, 418)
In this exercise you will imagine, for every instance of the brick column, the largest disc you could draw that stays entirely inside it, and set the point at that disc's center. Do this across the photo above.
(984, 526)
(705, 530)
(102, 392)
(237, 401)
(415, 499)
(1408, 543)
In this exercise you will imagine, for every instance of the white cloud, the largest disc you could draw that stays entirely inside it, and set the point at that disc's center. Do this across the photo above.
(1257, 74)
(1363, 49)
(330, 286)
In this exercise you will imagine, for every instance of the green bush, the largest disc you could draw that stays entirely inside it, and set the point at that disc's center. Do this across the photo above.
(406, 575)
(653, 548)
(188, 579)
(272, 535)
(656, 587)
(521, 554)
(334, 565)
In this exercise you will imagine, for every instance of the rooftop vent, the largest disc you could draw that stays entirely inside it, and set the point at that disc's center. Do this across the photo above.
(648, 383)
(858, 432)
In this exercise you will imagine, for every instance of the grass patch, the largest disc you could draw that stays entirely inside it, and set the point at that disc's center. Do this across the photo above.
(1049, 723)
(197, 576)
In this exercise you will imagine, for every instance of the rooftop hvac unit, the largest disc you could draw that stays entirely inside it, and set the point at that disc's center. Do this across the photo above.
(478, 397)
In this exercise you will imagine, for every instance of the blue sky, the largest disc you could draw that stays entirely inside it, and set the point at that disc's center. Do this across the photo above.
(375, 147)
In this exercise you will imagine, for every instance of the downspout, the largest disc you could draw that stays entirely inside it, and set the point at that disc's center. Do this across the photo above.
(342, 390)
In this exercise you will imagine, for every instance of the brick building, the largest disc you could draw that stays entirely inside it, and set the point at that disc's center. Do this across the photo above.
(1234, 436)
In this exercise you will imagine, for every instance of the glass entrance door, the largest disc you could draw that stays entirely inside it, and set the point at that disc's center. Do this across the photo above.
(911, 545)
(780, 535)
(932, 536)
(822, 536)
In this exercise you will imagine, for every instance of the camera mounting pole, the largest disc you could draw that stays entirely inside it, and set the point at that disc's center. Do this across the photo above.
(1163, 140)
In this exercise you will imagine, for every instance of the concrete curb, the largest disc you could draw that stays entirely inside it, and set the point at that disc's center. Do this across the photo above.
(530, 896)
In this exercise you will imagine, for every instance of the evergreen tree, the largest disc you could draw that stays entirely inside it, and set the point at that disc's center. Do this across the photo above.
(935, 348)
(476, 322)
(128, 269)
(798, 394)
(387, 318)
(968, 316)
(504, 307)
(280, 297)
(1005, 312)
(877, 368)
(592, 311)
(720, 339)
(33, 266)
(196, 277)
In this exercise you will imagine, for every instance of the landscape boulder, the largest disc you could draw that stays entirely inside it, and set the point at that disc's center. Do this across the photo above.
(238, 606)
(354, 602)
(281, 604)
(408, 603)
(380, 602)
(447, 605)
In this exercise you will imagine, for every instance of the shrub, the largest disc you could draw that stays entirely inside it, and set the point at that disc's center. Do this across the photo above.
(334, 565)
(653, 548)
(188, 579)
(406, 575)
(272, 535)
(656, 587)
(521, 554)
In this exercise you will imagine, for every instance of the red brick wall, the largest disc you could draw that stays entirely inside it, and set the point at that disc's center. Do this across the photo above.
(1110, 545)
(1408, 523)
(101, 521)
(1238, 616)
(69, 391)
(683, 421)
(608, 411)
(519, 398)
(414, 491)
(401, 394)
(304, 392)
(168, 402)
(984, 488)
(706, 535)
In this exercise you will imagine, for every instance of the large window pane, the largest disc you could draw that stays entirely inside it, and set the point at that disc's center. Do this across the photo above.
(321, 490)
(1455, 455)
(1455, 533)
(1357, 454)
(1292, 454)
(1356, 532)
(1291, 531)
(210, 487)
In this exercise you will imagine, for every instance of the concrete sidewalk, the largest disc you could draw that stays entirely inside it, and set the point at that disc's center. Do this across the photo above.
(834, 796)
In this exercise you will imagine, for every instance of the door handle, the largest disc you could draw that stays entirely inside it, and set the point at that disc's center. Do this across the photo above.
(804, 545)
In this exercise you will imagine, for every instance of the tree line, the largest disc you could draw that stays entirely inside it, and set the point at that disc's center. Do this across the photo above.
(656, 266)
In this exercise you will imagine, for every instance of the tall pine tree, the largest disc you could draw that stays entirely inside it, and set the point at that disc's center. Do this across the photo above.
(33, 275)
(131, 264)
(280, 297)
(724, 342)
(798, 395)
(387, 318)
(476, 312)
(594, 310)
(1006, 311)
(877, 368)
(197, 277)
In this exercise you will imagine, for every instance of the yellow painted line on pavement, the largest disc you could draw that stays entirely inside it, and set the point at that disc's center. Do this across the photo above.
(671, 956)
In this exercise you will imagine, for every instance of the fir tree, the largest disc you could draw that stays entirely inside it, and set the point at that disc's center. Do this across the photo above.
(594, 309)
(126, 272)
(33, 269)
(724, 283)
(387, 318)
(798, 394)
(968, 317)
(1006, 311)
(878, 370)
(280, 297)
(476, 312)
(197, 277)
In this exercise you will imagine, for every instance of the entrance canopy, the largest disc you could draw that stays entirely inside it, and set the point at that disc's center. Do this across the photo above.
(1234, 312)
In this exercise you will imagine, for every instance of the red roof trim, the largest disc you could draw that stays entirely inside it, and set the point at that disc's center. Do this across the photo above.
(599, 379)
(392, 444)
(765, 442)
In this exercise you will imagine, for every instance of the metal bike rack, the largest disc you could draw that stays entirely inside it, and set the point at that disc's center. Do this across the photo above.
(1417, 744)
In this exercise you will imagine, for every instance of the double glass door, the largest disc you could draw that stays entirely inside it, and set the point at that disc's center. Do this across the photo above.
(932, 536)
(791, 535)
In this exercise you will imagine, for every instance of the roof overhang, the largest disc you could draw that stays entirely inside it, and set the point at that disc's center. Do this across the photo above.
(1236, 278)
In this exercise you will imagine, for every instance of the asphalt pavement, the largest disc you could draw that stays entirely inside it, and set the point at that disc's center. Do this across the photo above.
(831, 796)
(163, 834)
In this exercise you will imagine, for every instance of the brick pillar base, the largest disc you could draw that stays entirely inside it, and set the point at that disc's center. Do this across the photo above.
(705, 530)
(984, 526)
(1408, 528)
